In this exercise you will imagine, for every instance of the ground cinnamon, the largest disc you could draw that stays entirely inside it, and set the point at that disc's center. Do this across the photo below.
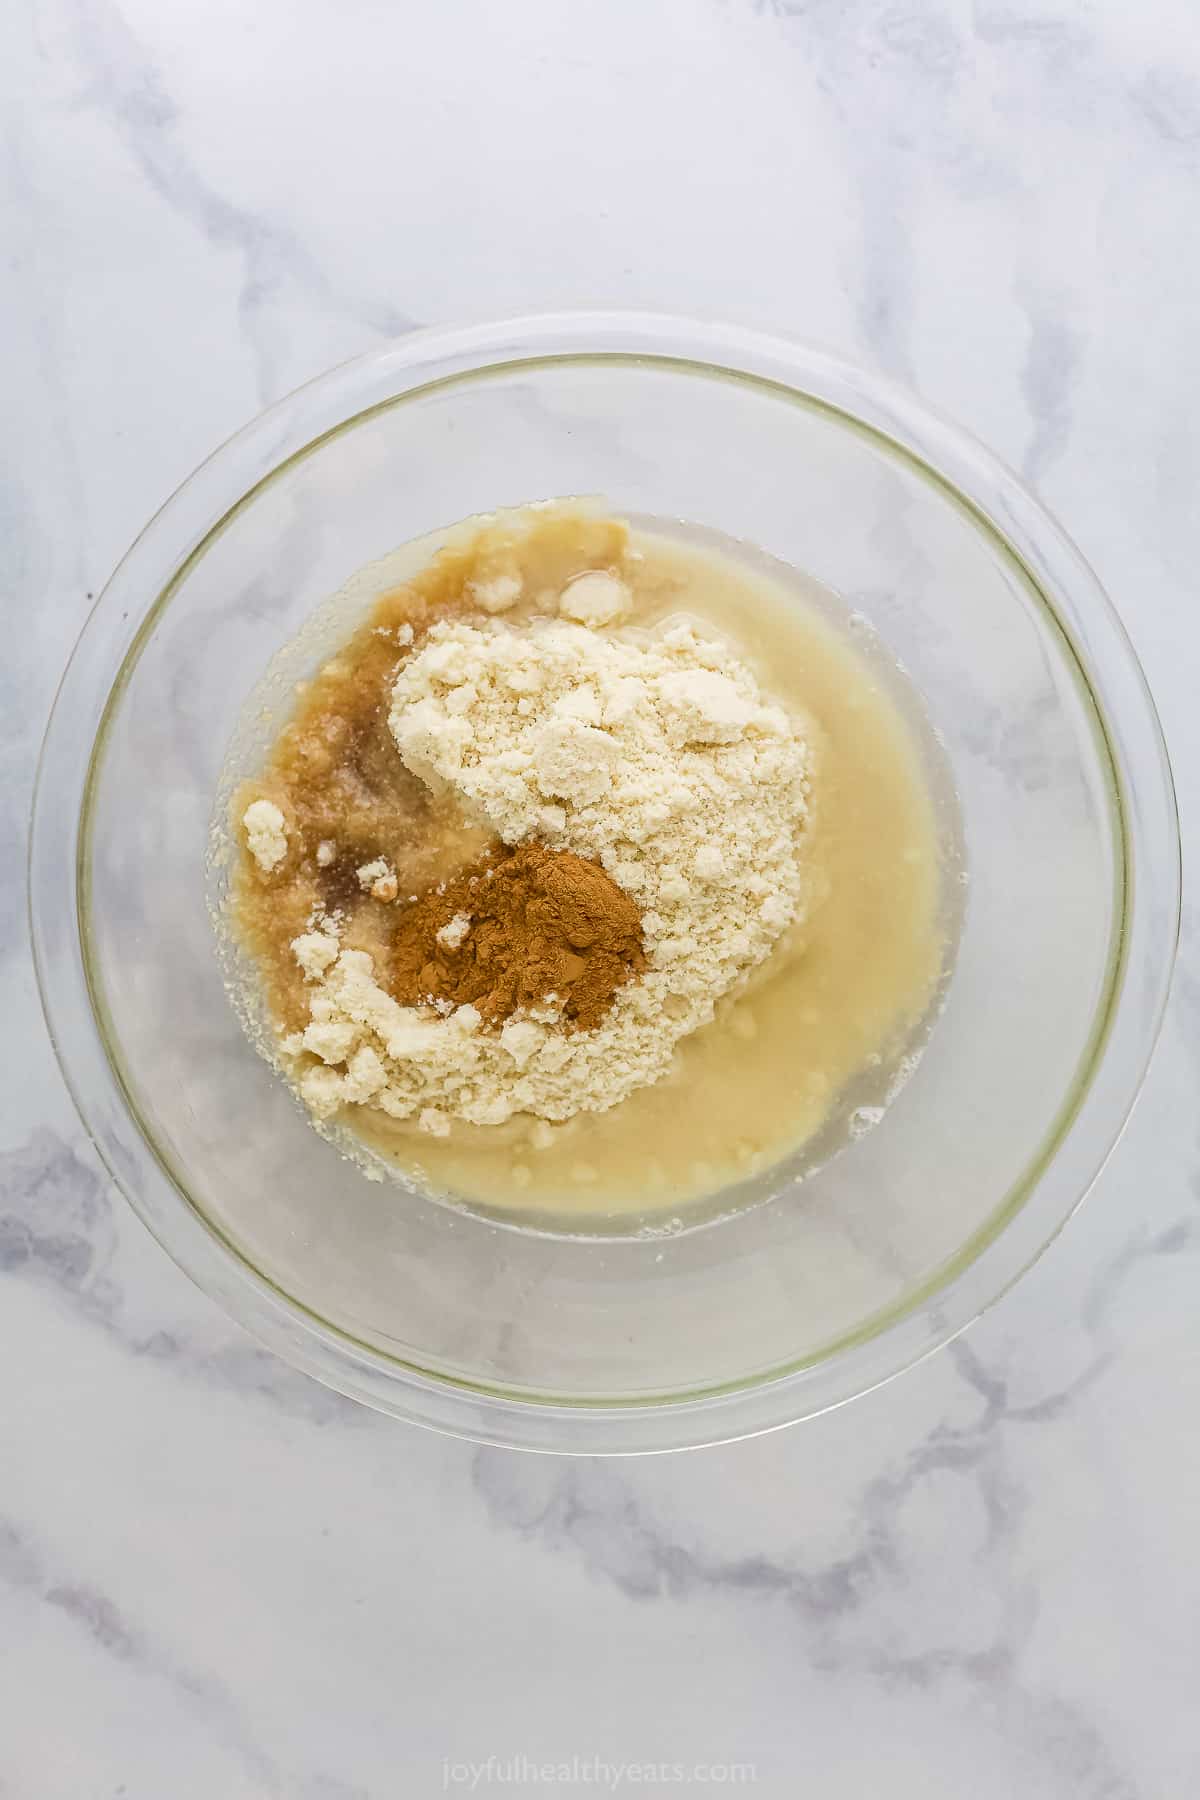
(516, 927)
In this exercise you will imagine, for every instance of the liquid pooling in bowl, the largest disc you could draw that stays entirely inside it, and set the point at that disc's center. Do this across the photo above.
(806, 1052)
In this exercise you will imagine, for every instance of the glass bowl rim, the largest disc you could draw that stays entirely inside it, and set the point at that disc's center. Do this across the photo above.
(969, 478)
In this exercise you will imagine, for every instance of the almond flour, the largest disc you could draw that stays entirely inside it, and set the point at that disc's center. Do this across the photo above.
(266, 834)
(656, 757)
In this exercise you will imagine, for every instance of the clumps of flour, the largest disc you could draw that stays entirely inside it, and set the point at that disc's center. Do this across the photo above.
(655, 755)
(266, 834)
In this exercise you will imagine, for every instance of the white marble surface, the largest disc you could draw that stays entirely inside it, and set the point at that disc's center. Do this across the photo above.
(218, 1579)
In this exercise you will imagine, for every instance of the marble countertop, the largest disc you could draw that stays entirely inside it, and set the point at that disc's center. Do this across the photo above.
(216, 1579)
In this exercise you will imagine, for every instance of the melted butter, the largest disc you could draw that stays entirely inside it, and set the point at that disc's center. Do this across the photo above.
(829, 1020)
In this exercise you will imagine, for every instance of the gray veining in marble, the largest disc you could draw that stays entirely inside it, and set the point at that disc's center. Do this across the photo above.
(217, 1578)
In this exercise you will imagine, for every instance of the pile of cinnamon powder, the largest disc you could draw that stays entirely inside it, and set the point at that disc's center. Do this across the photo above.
(526, 928)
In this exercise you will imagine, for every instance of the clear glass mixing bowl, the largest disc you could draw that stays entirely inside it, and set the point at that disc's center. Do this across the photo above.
(440, 1315)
